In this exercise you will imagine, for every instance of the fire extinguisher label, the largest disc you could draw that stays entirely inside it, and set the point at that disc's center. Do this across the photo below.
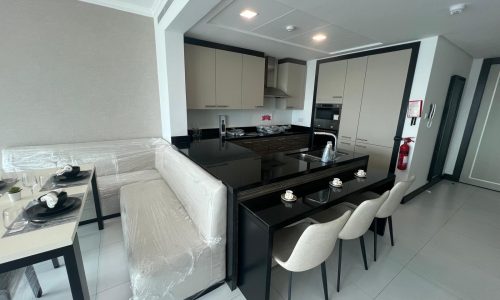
(405, 159)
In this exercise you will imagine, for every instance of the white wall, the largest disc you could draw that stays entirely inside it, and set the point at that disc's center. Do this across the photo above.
(74, 72)
(303, 117)
(208, 118)
(448, 60)
(463, 115)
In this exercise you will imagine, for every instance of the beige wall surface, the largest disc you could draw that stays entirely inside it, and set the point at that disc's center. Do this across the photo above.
(74, 72)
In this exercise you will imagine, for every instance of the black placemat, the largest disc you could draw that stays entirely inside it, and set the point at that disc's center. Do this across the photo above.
(52, 183)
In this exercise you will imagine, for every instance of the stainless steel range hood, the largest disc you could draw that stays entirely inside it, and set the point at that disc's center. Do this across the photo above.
(270, 89)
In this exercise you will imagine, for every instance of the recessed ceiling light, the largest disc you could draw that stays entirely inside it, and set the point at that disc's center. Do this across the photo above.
(457, 9)
(249, 14)
(319, 37)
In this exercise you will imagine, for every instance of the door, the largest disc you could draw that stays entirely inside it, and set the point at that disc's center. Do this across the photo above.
(353, 93)
(200, 76)
(482, 163)
(331, 80)
(450, 111)
(228, 71)
(252, 85)
(385, 83)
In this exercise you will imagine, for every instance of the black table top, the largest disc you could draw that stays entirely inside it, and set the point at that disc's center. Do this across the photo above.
(241, 168)
(276, 213)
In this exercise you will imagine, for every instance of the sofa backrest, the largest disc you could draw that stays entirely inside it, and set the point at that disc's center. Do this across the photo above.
(203, 196)
(109, 157)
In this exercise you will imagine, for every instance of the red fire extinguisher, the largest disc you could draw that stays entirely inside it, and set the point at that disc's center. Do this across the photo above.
(404, 151)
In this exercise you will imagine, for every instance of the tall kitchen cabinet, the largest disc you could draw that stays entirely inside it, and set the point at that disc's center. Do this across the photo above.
(292, 80)
(223, 79)
(373, 92)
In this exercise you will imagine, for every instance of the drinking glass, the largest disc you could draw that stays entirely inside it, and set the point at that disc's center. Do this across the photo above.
(29, 180)
(54, 159)
(11, 221)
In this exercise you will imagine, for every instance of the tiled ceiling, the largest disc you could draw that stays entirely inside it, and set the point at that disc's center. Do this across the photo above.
(349, 24)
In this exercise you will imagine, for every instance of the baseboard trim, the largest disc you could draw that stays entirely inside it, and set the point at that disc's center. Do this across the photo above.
(450, 177)
(420, 190)
(206, 291)
(95, 219)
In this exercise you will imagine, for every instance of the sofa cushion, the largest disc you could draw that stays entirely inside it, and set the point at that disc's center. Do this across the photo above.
(109, 187)
(167, 257)
(202, 195)
(109, 157)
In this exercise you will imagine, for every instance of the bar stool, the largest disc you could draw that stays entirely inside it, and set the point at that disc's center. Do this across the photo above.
(305, 246)
(388, 208)
(357, 225)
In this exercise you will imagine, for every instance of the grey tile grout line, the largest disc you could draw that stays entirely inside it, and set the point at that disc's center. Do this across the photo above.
(420, 249)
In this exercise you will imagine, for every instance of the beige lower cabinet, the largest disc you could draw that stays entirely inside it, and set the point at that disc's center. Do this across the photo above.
(252, 86)
(345, 144)
(380, 156)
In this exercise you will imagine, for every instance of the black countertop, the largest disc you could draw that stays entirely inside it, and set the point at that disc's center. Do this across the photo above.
(241, 168)
(250, 132)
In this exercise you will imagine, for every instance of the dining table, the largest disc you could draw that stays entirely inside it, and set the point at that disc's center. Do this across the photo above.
(53, 238)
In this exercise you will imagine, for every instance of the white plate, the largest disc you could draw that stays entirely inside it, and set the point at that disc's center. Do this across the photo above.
(288, 200)
(335, 185)
(356, 174)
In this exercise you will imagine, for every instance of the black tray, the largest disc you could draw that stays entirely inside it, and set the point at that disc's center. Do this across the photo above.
(37, 210)
(79, 176)
(2, 184)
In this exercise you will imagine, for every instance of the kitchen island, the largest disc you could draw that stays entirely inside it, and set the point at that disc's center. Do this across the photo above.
(249, 176)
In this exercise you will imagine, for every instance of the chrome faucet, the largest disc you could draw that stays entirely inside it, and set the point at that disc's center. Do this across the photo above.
(334, 145)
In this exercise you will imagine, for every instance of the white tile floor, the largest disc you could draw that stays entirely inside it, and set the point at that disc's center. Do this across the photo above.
(447, 247)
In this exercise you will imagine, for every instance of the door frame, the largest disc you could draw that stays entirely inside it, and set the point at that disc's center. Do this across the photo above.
(474, 110)
(415, 47)
(441, 132)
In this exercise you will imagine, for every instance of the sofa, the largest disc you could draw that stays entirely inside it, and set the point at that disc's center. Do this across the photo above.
(174, 229)
(117, 163)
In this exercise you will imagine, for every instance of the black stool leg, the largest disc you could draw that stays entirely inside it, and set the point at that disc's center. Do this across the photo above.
(340, 265)
(33, 281)
(390, 231)
(375, 221)
(325, 284)
(55, 263)
(290, 286)
(363, 251)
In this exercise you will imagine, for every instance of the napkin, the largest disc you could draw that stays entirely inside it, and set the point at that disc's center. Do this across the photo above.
(65, 169)
(51, 198)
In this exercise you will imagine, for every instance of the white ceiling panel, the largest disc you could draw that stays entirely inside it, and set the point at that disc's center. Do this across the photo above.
(336, 39)
(302, 21)
(267, 10)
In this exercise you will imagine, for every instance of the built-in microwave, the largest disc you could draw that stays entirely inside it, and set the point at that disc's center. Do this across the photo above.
(327, 116)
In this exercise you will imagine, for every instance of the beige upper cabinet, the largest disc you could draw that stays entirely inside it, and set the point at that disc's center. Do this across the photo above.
(292, 80)
(252, 89)
(331, 80)
(353, 94)
(200, 76)
(228, 71)
(382, 97)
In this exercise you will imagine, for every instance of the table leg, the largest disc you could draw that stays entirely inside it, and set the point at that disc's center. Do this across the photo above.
(76, 271)
(97, 202)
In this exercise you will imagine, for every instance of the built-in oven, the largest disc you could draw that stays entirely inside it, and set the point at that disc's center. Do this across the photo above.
(327, 116)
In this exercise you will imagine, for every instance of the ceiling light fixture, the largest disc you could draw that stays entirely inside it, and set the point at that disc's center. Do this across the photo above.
(319, 37)
(457, 9)
(290, 28)
(248, 14)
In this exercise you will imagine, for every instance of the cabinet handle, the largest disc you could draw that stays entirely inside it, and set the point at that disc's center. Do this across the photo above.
(363, 140)
(290, 107)
(222, 105)
(219, 165)
(337, 97)
(361, 146)
(345, 143)
(210, 105)
(344, 136)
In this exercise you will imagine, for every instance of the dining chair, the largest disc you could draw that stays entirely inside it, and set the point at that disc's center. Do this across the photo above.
(388, 208)
(357, 225)
(305, 246)
(10, 280)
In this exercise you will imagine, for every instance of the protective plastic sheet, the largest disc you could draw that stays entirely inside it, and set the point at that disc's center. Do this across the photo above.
(174, 229)
(117, 163)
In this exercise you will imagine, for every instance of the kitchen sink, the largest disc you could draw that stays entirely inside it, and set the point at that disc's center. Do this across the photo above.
(314, 156)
